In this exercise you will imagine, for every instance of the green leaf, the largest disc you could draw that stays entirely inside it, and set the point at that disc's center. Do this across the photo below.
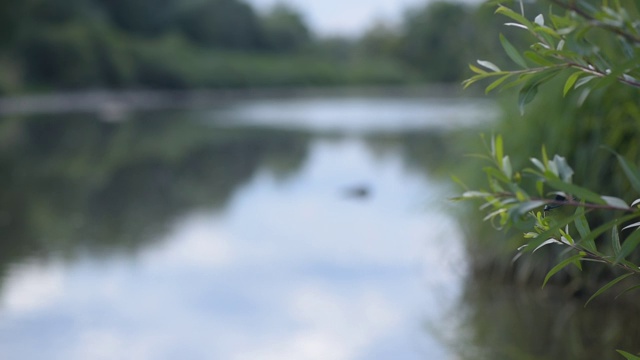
(628, 356)
(636, 224)
(489, 65)
(496, 83)
(632, 172)
(582, 225)
(584, 80)
(575, 190)
(512, 52)
(498, 149)
(476, 69)
(629, 289)
(525, 207)
(561, 266)
(615, 202)
(514, 15)
(538, 164)
(537, 58)
(629, 244)
(615, 240)
(526, 95)
(506, 167)
(607, 286)
(589, 239)
(530, 88)
(475, 194)
(570, 82)
(564, 170)
(495, 173)
(551, 232)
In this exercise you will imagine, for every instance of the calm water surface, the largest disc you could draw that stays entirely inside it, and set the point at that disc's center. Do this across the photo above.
(304, 228)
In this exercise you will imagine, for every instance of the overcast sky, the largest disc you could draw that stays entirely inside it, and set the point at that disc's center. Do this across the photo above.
(346, 17)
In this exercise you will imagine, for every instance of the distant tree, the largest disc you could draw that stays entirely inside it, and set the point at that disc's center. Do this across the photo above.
(228, 24)
(285, 29)
(436, 39)
(381, 40)
(44, 12)
(142, 17)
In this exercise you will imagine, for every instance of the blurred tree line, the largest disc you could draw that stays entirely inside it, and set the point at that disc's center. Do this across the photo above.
(50, 45)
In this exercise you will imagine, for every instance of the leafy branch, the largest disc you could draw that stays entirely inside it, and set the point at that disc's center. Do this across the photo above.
(564, 43)
(594, 47)
(509, 204)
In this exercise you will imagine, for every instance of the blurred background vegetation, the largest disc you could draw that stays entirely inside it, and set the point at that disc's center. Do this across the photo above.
(50, 45)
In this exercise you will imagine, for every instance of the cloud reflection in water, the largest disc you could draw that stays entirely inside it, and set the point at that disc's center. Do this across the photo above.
(290, 269)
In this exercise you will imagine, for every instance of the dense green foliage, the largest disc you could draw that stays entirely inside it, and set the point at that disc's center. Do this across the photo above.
(598, 48)
(52, 45)
(579, 213)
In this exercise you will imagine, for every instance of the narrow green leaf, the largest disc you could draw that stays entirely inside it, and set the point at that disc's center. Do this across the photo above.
(545, 157)
(561, 266)
(537, 58)
(628, 356)
(512, 52)
(570, 82)
(615, 202)
(551, 232)
(476, 69)
(547, 242)
(538, 164)
(532, 81)
(584, 80)
(495, 173)
(499, 150)
(496, 83)
(629, 289)
(564, 170)
(629, 244)
(489, 65)
(506, 167)
(575, 190)
(632, 172)
(526, 95)
(514, 15)
(607, 286)
(525, 207)
(582, 225)
(543, 30)
(475, 194)
(615, 240)
(593, 235)
(636, 224)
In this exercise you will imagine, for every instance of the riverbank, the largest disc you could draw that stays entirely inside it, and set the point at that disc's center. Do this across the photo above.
(113, 104)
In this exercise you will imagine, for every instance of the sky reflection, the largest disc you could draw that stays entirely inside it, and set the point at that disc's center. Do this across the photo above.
(361, 115)
(290, 269)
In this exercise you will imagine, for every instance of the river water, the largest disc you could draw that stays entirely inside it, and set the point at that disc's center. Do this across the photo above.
(266, 228)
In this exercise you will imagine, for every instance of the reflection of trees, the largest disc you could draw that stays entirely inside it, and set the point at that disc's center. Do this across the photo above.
(71, 184)
(429, 152)
(500, 322)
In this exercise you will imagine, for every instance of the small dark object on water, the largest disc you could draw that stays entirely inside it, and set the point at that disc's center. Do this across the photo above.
(357, 192)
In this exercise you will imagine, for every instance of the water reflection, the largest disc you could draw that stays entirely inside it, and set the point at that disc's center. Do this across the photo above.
(173, 236)
(76, 183)
(214, 234)
(503, 322)
(361, 115)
